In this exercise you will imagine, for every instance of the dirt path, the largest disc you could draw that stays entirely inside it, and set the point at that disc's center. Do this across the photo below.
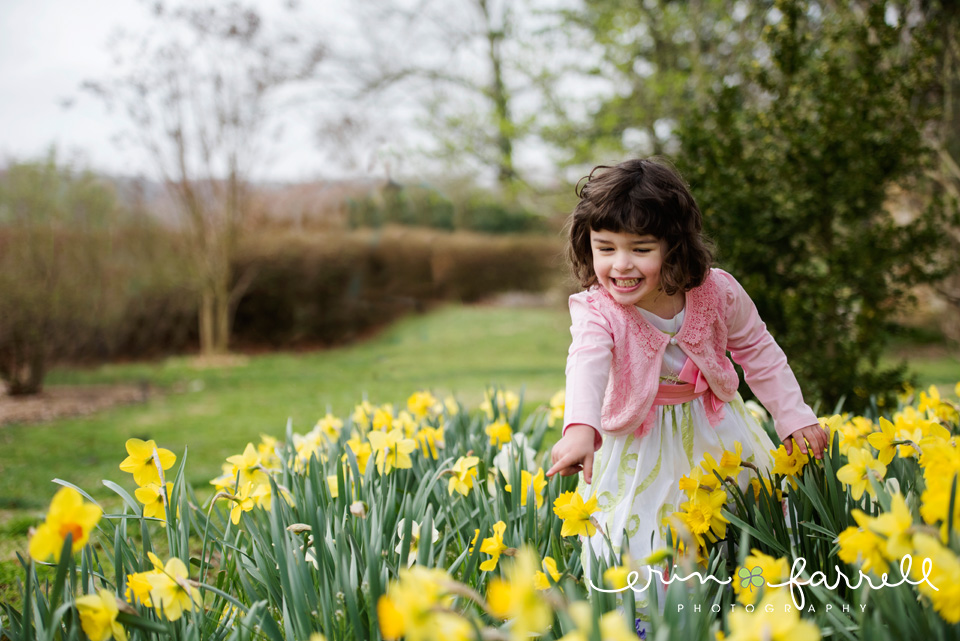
(63, 401)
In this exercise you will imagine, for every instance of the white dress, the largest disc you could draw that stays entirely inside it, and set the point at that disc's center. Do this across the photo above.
(636, 481)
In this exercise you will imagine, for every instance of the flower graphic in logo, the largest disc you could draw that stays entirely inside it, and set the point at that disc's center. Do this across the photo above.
(751, 577)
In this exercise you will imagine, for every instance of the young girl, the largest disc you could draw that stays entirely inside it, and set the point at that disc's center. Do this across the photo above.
(649, 388)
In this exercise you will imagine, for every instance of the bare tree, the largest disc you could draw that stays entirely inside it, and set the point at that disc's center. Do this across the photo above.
(470, 72)
(201, 92)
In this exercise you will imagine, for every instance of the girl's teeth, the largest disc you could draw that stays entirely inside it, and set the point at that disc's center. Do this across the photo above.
(626, 283)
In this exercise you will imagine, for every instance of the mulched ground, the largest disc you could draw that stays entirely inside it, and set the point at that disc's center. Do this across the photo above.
(64, 401)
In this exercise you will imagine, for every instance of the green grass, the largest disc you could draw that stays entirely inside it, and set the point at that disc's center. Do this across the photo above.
(215, 412)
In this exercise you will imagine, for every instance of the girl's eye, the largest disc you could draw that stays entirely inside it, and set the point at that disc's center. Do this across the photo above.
(642, 251)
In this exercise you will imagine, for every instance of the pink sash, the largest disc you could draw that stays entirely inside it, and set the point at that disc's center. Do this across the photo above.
(693, 387)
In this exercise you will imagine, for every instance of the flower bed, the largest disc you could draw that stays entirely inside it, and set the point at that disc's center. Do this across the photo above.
(434, 522)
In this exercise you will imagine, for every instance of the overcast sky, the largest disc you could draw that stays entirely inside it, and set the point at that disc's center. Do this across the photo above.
(48, 47)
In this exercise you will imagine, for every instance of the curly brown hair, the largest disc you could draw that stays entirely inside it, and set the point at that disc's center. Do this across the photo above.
(641, 196)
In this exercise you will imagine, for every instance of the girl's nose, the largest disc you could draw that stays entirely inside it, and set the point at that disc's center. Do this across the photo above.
(622, 262)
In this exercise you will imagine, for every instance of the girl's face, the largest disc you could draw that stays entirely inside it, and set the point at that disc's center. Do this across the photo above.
(628, 266)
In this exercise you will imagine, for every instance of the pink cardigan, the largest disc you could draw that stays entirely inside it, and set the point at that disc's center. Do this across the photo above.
(613, 367)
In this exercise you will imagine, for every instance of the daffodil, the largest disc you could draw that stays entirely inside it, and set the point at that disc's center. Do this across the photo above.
(884, 441)
(69, 515)
(499, 433)
(557, 406)
(464, 475)
(154, 501)
(944, 574)
(703, 515)
(417, 606)
(98, 616)
(861, 545)
(243, 501)
(617, 577)
(576, 514)
(895, 527)
(856, 473)
(494, 546)
(144, 457)
(539, 482)
(549, 566)
(393, 450)
(414, 539)
(329, 426)
(698, 480)
(429, 439)
(729, 465)
(247, 467)
(758, 484)
(613, 626)
(383, 418)
(516, 597)
(171, 591)
(362, 451)
(499, 403)
(421, 404)
(772, 620)
(766, 568)
(362, 413)
(789, 464)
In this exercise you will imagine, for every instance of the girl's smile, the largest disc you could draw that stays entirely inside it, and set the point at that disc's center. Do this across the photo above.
(628, 266)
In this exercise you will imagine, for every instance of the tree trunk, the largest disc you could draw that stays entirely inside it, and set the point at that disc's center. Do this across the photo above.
(23, 367)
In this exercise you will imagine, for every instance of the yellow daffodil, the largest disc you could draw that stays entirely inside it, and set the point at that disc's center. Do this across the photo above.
(98, 616)
(464, 475)
(329, 426)
(703, 516)
(70, 515)
(944, 575)
(856, 473)
(883, 441)
(247, 466)
(617, 577)
(393, 450)
(494, 546)
(139, 586)
(789, 464)
(774, 623)
(756, 484)
(613, 626)
(766, 568)
(362, 413)
(383, 418)
(499, 433)
(417, 607)
(504, 402)
(362, 451)
(698, 480)
(526, 479)
(549, 566)
(421, 404)
(171, 591)
(143, 459)
(729, 465)
(516, 597)
(895, 527)
(557, 406)
(429, 439)
(154, 503)
(576, 514)
(244, 501)
(860, 544)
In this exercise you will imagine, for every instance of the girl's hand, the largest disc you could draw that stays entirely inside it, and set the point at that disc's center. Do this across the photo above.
(574, 452)
(815, 435)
